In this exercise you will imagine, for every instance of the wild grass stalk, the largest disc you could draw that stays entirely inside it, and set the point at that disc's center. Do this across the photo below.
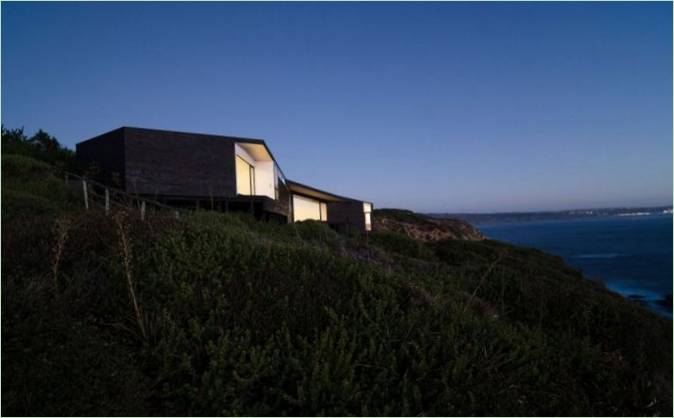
(127, 260)
(484, 277)
(62, 229)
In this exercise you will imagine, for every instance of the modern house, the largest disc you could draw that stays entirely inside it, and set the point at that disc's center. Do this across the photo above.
(211, 171)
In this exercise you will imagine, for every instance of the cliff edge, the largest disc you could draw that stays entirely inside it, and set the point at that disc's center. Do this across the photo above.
(423, 228)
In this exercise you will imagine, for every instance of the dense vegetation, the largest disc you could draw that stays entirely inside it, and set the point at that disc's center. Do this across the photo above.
(40, 146)
(217, 314)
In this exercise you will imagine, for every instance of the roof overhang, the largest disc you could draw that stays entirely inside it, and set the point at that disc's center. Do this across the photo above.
(303, 189)
(259, 150)
(256, 150)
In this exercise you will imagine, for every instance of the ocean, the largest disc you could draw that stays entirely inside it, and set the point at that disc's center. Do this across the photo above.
(631, 255)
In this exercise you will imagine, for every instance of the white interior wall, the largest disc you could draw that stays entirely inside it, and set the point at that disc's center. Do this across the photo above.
(305, 208)
(264, 173)
(244, 154)
(264, 178)
(367, 208)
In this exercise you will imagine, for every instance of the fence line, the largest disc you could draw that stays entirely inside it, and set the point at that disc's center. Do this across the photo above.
(101, 195)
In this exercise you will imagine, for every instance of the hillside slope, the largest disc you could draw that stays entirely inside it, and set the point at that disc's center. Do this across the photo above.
(216, 314)
(423, 228)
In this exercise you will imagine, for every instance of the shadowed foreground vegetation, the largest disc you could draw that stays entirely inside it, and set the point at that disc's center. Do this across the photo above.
(217, 314)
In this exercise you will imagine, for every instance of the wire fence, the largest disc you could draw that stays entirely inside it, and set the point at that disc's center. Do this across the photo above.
(96, 195)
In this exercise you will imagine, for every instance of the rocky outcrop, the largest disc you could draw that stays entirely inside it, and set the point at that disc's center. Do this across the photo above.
(423, 228)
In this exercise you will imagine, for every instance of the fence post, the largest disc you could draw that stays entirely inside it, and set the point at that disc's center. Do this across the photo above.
(142, 210)
(86, 194)
(107, 201)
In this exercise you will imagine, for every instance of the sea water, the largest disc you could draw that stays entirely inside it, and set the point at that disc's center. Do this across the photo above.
(631, 255)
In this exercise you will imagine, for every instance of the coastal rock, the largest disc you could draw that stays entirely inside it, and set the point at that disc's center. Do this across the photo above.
(424, 228)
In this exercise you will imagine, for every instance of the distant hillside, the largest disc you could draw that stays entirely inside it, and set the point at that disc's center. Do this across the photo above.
(507, 217)
(422, 227)
(217, 314)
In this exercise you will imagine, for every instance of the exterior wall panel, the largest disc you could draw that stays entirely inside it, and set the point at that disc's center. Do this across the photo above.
(102, 157)
(346, 214)
(179, 164)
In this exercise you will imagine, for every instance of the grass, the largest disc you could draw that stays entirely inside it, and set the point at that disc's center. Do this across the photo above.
(31, 187)
(21, 165)
(217, 314)
(401, 215)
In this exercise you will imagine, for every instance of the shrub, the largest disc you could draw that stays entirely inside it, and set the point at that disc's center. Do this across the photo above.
(17, 164)
(218, 314)
(29, 187)
(40, 146)
(400, 244)
(401, 215)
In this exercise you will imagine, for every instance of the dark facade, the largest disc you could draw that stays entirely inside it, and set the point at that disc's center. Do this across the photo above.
(181, 168)
(165, 163)
(103, 157)
(347, 214)
(178, 164)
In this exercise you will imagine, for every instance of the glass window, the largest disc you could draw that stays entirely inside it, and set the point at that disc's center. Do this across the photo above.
(277, 180)
(252, 179)
(367, 208)
(324, 212)
(245, 177)
(306, 208)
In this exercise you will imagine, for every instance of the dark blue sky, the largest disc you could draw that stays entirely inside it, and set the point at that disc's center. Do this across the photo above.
(432, 107)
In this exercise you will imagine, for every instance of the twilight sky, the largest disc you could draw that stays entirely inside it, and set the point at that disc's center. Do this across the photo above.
(433, 107)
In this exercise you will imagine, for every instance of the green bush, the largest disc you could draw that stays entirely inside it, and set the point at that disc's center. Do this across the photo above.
(29, 187)
(40, 146)
(401, 244)
(401, 215)
(16, 165)
(217, 314)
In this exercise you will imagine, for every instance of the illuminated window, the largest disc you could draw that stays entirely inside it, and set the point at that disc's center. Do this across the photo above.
(367, 209)
(305, 208)
(324, 212)
(245, 177)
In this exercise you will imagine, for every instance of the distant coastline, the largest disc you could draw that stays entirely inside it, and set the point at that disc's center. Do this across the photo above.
(512, 217)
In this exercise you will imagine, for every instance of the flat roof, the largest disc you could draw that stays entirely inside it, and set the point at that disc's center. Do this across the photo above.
(223, 137)
(317, 193)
